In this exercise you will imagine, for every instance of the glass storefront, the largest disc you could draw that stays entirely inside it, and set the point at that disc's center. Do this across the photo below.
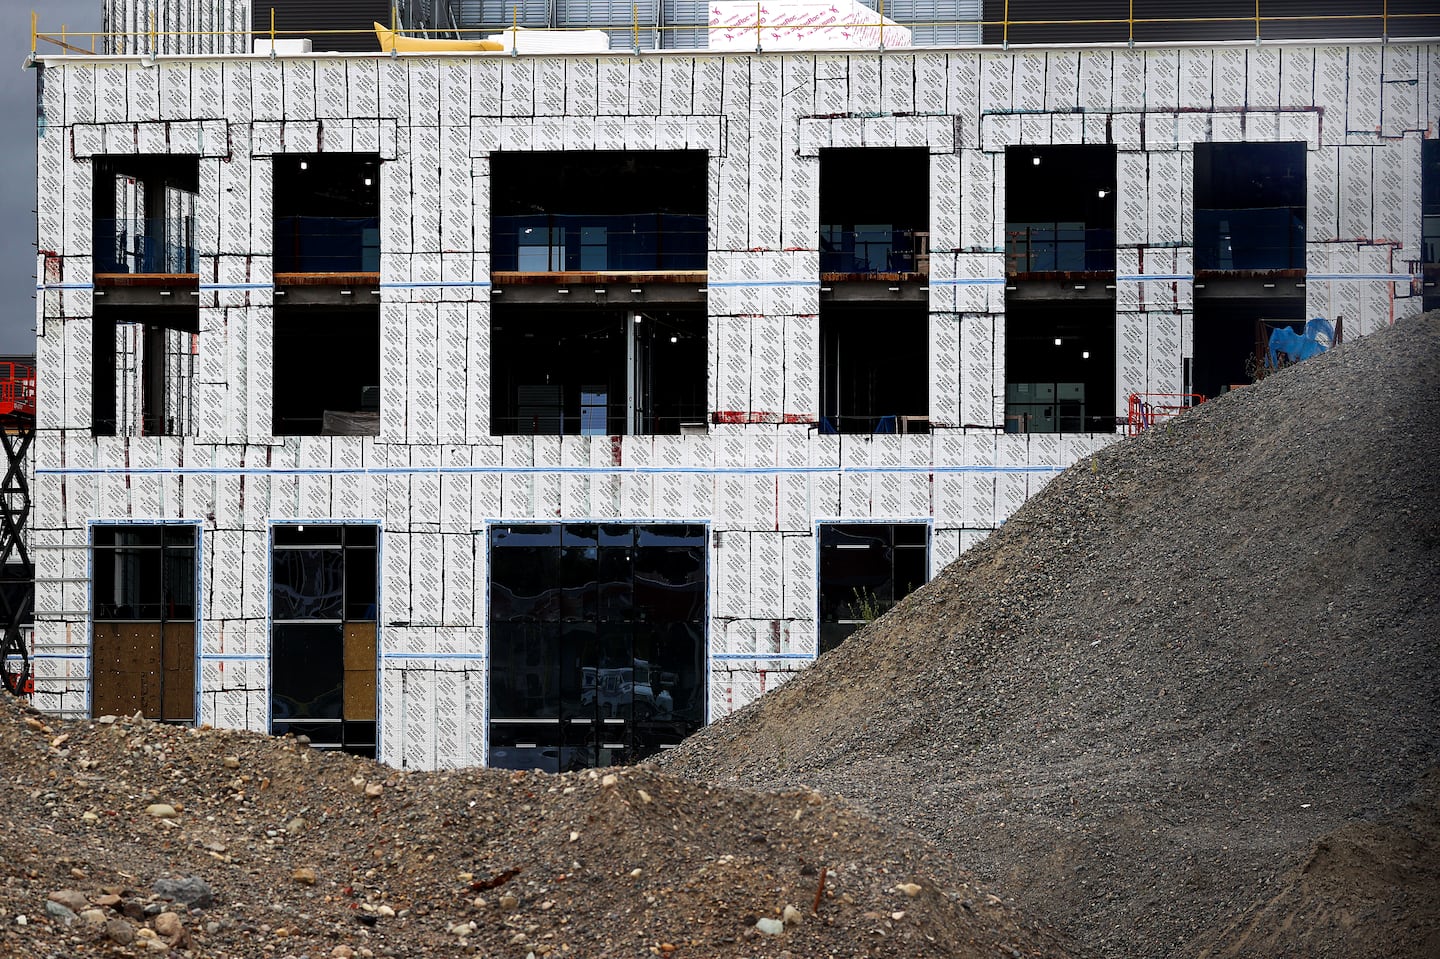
(597, 642)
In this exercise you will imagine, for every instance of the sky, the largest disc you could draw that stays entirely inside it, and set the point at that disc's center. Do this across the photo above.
(17, 158)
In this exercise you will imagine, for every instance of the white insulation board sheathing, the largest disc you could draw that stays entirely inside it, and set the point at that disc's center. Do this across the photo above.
(736, 25)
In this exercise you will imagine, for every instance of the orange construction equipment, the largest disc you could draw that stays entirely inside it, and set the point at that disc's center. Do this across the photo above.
(1148, 409)
(17, 388)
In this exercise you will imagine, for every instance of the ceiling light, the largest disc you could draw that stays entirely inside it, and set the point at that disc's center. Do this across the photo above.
(304, 165)
(369, 182)
(1085, 355)
(1034, 161)
(1057, 341)
(637, 290)
(674, 339)
(638, 317)
(1104, 194)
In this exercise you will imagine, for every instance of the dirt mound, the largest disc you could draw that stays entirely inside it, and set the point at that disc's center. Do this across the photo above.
(285, 851)
(1342, 902)
(1188, 658)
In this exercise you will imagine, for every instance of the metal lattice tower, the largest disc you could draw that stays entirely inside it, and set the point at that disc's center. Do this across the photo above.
(17, 572)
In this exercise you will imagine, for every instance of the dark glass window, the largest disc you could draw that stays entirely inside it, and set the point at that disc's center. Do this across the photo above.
(866, 568)
(597, 642)
(323, 607)
(1430, 221)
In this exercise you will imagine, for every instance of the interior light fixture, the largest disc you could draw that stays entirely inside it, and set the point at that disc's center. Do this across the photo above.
(600, 290)
(1034, 161)
(369, 182)
(562, 291)
(637, 290)
(1085, 355)
(638, 317)
(304, 165)
(1057, 341)
(300, 528)
(674, 338)
(1104, 194)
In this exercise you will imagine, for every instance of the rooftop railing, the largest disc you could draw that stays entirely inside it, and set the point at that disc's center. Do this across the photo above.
(1259, 28)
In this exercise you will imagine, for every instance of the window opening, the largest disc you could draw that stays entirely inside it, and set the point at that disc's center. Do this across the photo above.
(599, 211)
(144, 212)
(143, 370)
(595, 371)
(874, 210)
(1249, 206)
(865, 569)
(869, 356)
(1060, 366)
(327, 371)
(1059, 209)
(143, 622)
(597, 642)
(327, 213)
(323, 619)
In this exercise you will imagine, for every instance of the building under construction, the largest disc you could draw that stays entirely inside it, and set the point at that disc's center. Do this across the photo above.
(534, 405)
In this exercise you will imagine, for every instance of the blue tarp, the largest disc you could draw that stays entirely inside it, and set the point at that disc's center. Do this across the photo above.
(1319, 334)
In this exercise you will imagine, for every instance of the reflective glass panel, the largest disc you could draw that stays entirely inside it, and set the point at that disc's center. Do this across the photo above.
(309, 584)
(307, 671)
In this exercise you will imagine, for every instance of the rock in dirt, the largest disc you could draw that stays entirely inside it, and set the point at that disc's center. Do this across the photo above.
(191, 891)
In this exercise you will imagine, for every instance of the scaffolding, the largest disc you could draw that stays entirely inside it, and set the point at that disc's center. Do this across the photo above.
(17, 572)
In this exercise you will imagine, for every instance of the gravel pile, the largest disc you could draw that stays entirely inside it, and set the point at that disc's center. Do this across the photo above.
(1143, 701)
(122, 837)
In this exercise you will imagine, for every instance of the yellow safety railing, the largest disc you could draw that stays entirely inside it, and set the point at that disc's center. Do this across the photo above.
(149, 41)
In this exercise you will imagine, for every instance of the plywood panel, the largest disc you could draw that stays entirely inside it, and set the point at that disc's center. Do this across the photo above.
(178, 678)
(127, 671)
(359, 698)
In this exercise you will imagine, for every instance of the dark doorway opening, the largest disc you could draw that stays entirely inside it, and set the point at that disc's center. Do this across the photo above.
(1232, 338)
(875, 210)
(1060, 367)
(327, 371)
(873, 363)
(597, 642)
